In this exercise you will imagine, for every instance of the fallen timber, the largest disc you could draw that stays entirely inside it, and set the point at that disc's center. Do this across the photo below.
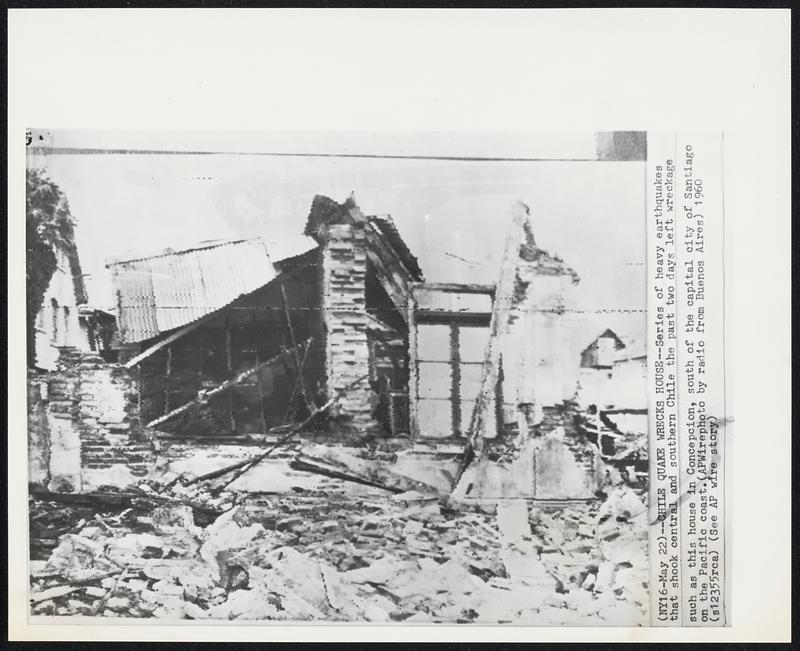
(498, 327)
(204, 396)
(339, 464)
(129, 500)
(244, 466)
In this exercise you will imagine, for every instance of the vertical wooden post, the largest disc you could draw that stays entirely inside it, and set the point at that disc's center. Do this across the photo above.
(167, 379)
(296, 354)
(229, 364)
(499, 397)
(498, 325)
(201, 353)
(455, 378)
(228, 353)
(413, 374)
(263, 418)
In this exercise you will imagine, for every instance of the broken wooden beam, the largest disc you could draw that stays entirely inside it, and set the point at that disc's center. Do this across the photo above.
(299, 379)
(244, 466)
(498, 327)
(203, 396)
(289, 404)
(456, 288)
(335, 462)
(138, 501)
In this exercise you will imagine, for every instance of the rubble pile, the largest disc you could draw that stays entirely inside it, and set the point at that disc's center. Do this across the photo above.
(375, 557)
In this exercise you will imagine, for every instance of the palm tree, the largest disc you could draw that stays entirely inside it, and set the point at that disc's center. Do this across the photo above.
(49, 227)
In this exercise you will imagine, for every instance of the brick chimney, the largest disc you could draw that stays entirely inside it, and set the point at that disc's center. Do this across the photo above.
(341, 230)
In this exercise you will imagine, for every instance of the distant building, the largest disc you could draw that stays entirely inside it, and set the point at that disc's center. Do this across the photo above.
(601, 352)
(613, 373)
(99, 328)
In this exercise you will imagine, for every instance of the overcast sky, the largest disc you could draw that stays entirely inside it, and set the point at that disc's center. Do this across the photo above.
(453, 214)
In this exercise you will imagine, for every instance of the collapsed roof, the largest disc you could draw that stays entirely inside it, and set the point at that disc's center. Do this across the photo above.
(169, 289)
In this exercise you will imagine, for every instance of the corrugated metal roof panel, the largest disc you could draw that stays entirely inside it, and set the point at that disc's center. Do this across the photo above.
(169, 290)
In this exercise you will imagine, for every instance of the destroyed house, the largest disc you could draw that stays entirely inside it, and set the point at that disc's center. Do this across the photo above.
(238, 337)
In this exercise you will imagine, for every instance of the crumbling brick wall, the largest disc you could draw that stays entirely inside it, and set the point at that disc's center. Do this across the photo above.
(38, 446)
(563, 416)
(344, 267)
(84, 429)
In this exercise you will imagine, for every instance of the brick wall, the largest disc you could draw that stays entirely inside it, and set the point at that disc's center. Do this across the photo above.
(344, 265)
(38, 446)
(84, 429)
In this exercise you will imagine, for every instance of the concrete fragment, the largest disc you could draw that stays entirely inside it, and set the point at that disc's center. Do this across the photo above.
(414, 497)
(620, 613)
(167, 588)
(118, 603)
(582, 601)
(605, 576)
(75, 553)
(419, 618)
(338, 463)
(52, 593)
(293, 574)
(93, 591)
(226, 534)
(166, 519)
(375, 614)
(79, 607)
(381, 571)
(194, 611)
(512, 521)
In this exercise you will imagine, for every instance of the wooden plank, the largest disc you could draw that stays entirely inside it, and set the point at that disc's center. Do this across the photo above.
(229, 365)
(501, 310)
(167, 378)
(465, 318)
(456, 288)
(413, 373)
(294, 386)
(498, 326)
(335, 462)
(298, 367)
(139, 390)
(396, 293)
(203, 397)
(262, 417)
(455, 377)
(138, 501)
(392, 274)
(293, 430)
